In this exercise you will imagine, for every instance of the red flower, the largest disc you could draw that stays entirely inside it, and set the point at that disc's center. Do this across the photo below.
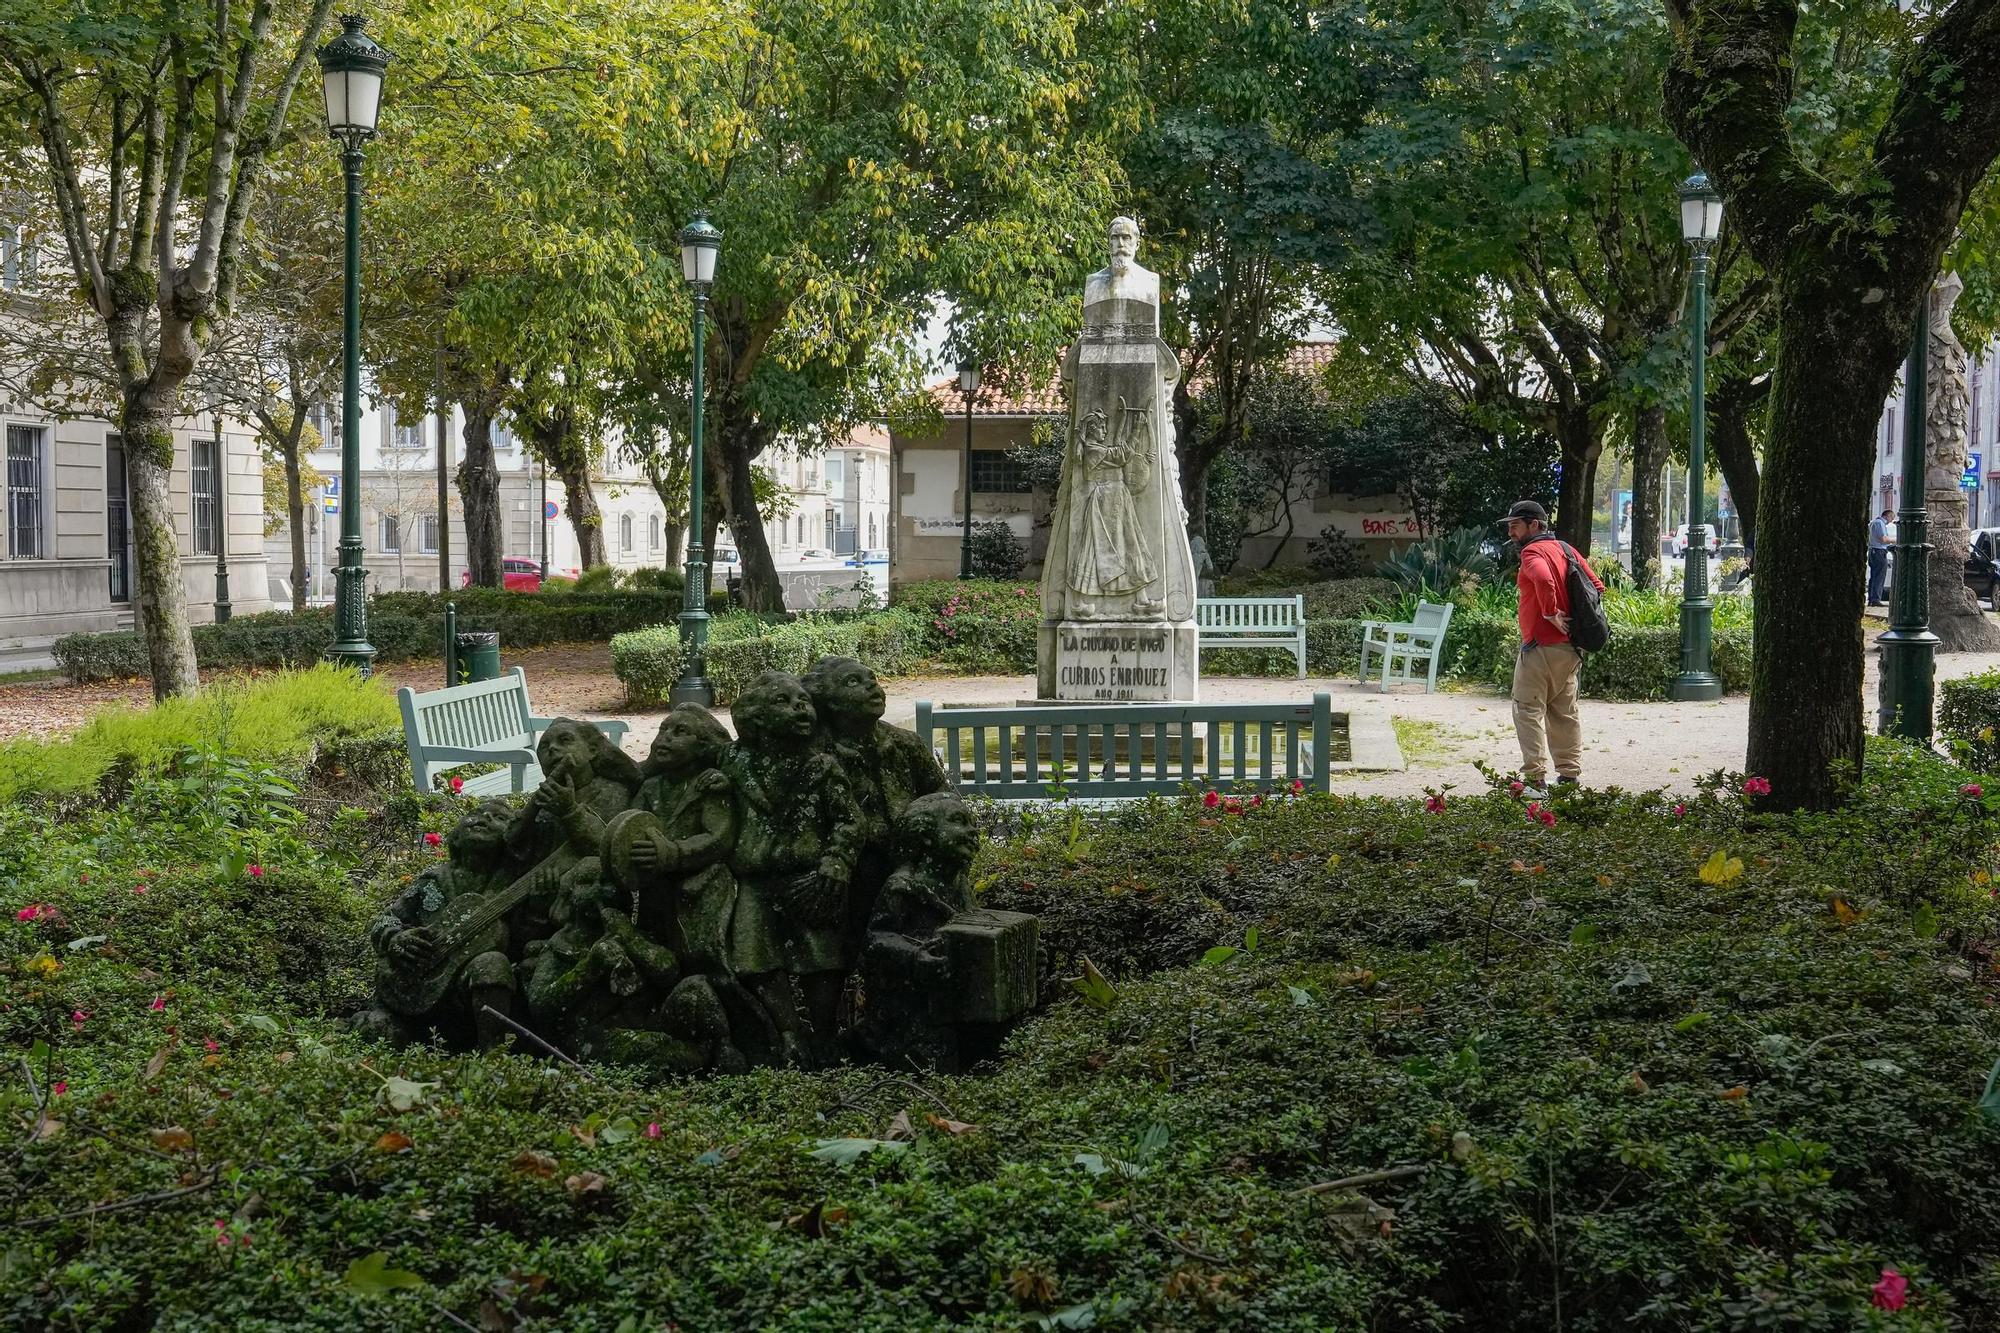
(32, 912)
(1541, 814)
(1298, 786)
(79, 1018)
(1517, 787)
(1434, 804)
(1680, 810)
(59, 1087)
(1232, 806)
(1972, 789)
(138, 888)
(653, 1129)
(1892, 1293)
(159, 1003)
(255, 871)
(457, 786)
(1213, 799)
(1258, 799)
(1756, 786)
(210, 1045)
(432, 839)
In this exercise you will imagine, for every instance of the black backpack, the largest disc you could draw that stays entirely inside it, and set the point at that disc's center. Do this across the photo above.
(1588, 628)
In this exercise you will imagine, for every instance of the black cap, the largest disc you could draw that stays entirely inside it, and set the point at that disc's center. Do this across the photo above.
(1528, 511)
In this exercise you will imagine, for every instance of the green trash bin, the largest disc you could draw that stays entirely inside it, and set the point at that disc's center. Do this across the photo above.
(478, 656)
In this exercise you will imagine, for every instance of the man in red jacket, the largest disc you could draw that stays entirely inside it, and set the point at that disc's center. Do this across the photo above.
(1545, 716)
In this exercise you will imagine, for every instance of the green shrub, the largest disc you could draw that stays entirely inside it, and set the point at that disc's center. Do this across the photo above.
(401, 625)
(976, 626)
(1241, 582)
(1445, 564)
(996, 552)
(1969, 719)
(647, 579)
(1638, 663)
(648, 661)
(285, 718)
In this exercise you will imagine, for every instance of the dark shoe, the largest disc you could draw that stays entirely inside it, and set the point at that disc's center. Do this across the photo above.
(1568, 782)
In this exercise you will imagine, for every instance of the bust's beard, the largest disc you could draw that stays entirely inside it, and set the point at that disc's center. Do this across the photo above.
(1121, 264)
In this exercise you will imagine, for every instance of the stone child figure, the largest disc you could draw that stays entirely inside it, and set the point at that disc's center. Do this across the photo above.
(586, 779)
(906, 981)
(888, 767)
(682, 891)
(798, 837)
(428, 979)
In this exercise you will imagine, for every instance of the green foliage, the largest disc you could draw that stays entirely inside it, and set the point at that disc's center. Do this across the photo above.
(401, 625)
(1517, 1015)
(1610, 571)
(1445, 565)
(976, 626)
(1334, 555)
(648, 661)
(1969, 719)
(285, 718)
(1639, 662)
(996, 552)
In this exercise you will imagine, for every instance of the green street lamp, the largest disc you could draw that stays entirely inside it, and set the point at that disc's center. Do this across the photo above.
(1909, 649)
(968, 384)
(701, 245)
(351, 68)
(1701, 221)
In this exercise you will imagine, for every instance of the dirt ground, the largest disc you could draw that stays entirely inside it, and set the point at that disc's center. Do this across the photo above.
(1637, 746)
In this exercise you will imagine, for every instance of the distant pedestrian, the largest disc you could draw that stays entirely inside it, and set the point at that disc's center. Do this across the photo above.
(1545, 716)
(1878, 557)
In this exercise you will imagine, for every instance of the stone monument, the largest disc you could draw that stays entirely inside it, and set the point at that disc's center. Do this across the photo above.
(1118, 582)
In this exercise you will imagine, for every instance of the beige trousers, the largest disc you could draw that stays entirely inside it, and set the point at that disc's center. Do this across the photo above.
(1545, 718)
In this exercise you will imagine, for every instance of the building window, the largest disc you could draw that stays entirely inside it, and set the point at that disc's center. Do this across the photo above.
(800, 538)
(427, 534)
(331, 424)
(404, 436)
(994, 472)
(27, 536)
(205, 484)
(392, 535)
(871, 532)
(117, 519)
(625, 532)
(653, 534)
(830, 524)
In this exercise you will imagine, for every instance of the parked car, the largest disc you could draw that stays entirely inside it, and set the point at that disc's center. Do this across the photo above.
(519, 574)
(815, 553)
(871, 556)
(1681, 541)
(1982, 565)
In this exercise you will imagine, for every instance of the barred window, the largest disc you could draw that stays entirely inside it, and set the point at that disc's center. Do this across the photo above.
(427, 534)
(27, 533)
(392, 535)
(994, 472)
(205, 484)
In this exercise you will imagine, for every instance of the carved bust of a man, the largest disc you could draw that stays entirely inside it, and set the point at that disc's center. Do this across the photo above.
(1124, 279)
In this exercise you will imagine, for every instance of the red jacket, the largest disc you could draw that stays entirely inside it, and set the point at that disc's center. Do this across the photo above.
(1545, 589)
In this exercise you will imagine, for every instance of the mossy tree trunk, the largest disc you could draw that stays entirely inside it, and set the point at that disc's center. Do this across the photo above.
(1649, 457)
(479, 480)
(1850, 266)
(1732, 405)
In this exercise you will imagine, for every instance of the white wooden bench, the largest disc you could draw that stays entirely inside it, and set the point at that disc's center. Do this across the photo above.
(1115, 751)
(1254, 622)
(484, 723)
(1403, 645)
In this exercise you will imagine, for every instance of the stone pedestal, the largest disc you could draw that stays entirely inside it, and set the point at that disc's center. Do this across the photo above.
(1118, 661)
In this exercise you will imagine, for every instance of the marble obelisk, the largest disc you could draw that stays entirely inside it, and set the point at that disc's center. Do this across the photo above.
(1118, 582)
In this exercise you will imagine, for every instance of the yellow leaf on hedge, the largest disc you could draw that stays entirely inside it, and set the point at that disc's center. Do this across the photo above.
(1721, 869)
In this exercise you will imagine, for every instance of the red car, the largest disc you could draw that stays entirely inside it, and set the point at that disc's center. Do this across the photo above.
(519, 575)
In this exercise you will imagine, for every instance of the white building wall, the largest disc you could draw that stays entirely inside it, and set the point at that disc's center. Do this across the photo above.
(1983, 438)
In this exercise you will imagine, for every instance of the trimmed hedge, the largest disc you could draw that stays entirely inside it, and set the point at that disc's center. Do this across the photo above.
(1969, 719)
(648, 661)
(1638, 663)
(401, 625)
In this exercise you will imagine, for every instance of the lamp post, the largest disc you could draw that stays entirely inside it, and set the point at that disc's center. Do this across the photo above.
(701, 244)
(351, 68)
(1909, 649)
(1701, 220)
(223, 610)
(968, 384)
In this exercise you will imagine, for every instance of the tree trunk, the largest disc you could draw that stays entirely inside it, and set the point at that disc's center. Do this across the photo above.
(671, 536)
(479, 491)
(1956, 617)
(1731, 405)
(295, 507)
(1649, 455)
(1581, 444)
(761, 589)
(146, 423)
(586, 520)
(1806, 720)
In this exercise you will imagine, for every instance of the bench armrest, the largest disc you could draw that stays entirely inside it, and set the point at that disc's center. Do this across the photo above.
(612, 728)
(461, 754)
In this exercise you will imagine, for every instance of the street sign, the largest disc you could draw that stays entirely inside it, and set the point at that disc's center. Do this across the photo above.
(1970, 481)
(548, 509)
(332, 503)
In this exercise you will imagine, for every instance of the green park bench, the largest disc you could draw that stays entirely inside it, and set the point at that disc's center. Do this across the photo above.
(1253, 622)
(1126, 750)
(487, 722)
(1404, 644)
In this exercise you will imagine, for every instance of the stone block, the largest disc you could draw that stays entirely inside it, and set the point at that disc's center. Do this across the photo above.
(992, 961)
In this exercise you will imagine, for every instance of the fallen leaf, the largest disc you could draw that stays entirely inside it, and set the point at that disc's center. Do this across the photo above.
(1639, 1083)
(1032, 1288)
(371, 1275)
(1721, 869)
(900, 1129)
(1604, 881)
(157, 1063)
(1735, 1094)
(402, 1094)
(394, 1142)
(952, 1127)
(534, 1163)
(48, 1128)
(172, 1139)
(584, 1182)
(1844, 912)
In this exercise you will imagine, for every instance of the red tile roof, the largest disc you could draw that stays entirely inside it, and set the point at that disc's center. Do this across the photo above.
(1017, 398)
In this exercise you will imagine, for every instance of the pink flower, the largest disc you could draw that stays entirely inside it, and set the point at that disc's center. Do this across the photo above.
(139, 889)
(1541, 814)
(32, 912)
(159, 1004)
(1679, 810)
(255, 871)
(1973, 790)
(79, 1018)
(1258, 799)
(1434, 804)
(432, 839)
(457, 786)
(84, 878)
(1298, 786)
(1213, 799)
(1232, 806)
(1756, 786)
(1892, 1293)
(653, 1129)
(1517, 787)
(59, 1087)
(209, 1044)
